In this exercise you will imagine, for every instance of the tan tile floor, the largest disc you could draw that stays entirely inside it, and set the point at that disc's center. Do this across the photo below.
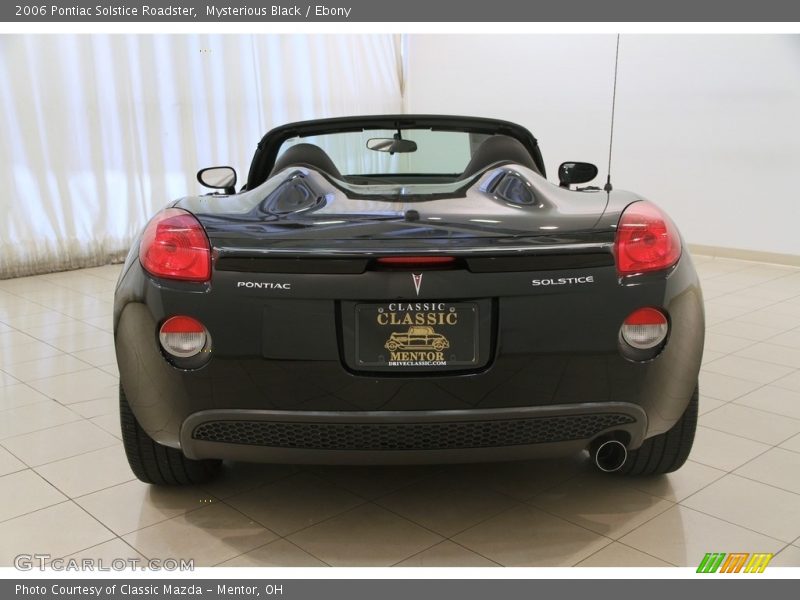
(67, 491)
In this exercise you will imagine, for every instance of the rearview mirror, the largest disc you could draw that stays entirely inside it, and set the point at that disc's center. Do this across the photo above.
(575, 172)
(391, 145)
(218, 178)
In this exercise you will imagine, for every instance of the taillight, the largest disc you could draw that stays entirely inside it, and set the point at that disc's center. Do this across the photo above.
(645, 328)
(175, 246)
(646, 240)
(182, 337)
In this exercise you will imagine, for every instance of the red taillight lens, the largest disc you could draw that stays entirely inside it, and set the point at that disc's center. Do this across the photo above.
(175, 246)
(646, 240)
(645, 328)
(410, 261)
(182, 336)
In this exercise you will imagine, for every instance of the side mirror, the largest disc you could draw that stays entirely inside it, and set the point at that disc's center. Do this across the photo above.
(218, 178)
(575, 172)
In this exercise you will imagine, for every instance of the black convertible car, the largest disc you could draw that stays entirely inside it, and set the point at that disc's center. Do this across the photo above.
(402, 289)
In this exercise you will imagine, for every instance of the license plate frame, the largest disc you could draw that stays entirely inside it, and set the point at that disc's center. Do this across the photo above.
(417, 335)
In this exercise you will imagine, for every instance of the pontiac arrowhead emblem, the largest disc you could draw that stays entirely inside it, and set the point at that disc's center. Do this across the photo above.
(417, 277)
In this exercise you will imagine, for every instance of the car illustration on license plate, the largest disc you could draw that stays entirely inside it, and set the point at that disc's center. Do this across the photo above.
(418, 337)
(406, 289)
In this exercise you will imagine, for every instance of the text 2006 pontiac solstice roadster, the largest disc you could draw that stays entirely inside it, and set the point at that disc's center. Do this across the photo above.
(402, 289)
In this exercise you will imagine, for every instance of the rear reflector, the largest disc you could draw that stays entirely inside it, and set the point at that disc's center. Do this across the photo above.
(182, 336)
(402, 261)
(645, 328)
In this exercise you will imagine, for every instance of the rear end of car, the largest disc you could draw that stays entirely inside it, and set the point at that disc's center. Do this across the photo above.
(417, 318)
(286, 359)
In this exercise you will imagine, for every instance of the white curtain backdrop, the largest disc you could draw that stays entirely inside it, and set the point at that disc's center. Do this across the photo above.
(99, 132)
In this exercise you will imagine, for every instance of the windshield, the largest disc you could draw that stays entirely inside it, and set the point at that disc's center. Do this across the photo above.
(391, 152)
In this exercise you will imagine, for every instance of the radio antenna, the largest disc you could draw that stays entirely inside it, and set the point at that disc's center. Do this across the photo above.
(608, 187)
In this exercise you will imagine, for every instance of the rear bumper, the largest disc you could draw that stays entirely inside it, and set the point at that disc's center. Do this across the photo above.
(402, 437)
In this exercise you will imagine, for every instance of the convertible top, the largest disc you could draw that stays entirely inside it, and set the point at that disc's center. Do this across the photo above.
(267, 151)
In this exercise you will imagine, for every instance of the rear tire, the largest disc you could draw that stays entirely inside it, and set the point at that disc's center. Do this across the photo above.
(154, 463)
(668, 451)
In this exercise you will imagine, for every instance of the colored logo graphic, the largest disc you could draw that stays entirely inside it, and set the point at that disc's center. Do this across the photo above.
(736, 562)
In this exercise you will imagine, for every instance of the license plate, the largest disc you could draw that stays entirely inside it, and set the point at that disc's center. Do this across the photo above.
(418, 335)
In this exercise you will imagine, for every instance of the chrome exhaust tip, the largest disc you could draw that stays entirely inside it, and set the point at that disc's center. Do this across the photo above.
(609, 455)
